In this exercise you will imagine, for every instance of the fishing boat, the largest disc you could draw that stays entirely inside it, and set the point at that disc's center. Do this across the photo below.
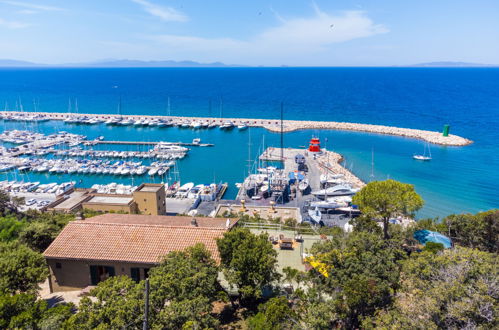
(424, 156)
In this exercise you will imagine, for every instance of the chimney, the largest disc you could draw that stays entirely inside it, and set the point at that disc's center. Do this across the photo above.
(194, 223)
(79, 216)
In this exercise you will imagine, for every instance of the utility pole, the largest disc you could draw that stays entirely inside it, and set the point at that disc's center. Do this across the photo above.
(146, 306)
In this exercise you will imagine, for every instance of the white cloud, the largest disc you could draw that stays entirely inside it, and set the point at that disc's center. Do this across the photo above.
(291, 38)
(26, 12)
(167, 14)
(13, 24)
(31, 6)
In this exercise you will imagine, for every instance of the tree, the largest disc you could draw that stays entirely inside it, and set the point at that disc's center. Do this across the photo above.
(249, 262)
(275, 314)
(386, 199)
(24, 311)
(7, 206)
(10, 228)
(454, 289)
(479, 231)
(184, 279)
(118, 304)
(38, 235)
(182, 288)
(21, 269)
(363, 273)
(187, 314)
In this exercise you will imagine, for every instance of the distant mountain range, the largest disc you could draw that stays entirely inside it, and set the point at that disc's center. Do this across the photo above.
(113, 63)
(125, 63)
(452, 65)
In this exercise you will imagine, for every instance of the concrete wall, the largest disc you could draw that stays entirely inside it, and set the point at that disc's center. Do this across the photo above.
(75, 275)
(152, 203)
(102, 207)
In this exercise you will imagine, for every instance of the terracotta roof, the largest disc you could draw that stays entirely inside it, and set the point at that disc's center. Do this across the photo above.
(107, 239)
(162, 220)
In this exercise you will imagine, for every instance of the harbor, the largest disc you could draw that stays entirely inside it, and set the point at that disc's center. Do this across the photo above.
(440, 138)
(39, 149)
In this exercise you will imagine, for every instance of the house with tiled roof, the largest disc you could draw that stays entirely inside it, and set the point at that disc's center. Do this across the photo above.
(89, 251)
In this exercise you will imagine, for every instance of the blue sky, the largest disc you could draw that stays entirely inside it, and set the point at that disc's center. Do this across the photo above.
(257, 32)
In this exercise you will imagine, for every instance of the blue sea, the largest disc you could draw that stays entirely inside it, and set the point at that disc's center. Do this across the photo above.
(458, 179)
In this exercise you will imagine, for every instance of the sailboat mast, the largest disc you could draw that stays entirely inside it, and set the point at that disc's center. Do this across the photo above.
(221, 107)
(168, 107)
(119, 107)
(249, 152)
(372, 164)
(282, 136)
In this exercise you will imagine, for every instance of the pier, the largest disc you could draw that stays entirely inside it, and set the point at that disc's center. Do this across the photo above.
(272, 125)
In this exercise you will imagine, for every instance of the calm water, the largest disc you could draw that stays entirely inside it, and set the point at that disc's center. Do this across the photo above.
(458, 179)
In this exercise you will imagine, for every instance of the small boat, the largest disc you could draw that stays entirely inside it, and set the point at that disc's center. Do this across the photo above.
(242, 126)
(196, 141)
(227, 125)
(303, 185)
(424, 156)
(195, 124)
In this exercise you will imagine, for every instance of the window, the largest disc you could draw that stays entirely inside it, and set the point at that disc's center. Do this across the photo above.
(58, 265)
(100, 273)
(146, 272)
(135, 274)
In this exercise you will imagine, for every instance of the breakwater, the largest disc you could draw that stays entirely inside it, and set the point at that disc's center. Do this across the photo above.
(274, 125)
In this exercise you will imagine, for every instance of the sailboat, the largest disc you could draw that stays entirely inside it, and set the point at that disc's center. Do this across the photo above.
(424, 156)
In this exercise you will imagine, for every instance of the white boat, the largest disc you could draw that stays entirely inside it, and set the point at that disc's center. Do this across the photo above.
(227, 125)
(183, 191)
(126, 122)
(421, 157)
(330, 178)
(153, 171)
(242, 126)
(195, 124)
(339, 190)
(315, 214)
(196, 141)
(424, 156)
(303, 185)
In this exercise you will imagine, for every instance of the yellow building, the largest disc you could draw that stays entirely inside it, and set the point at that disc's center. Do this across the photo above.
(110, 203)
(150, 198)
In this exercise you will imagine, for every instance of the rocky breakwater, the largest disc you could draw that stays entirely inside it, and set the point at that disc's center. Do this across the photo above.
(329, 163)
(429, 136)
